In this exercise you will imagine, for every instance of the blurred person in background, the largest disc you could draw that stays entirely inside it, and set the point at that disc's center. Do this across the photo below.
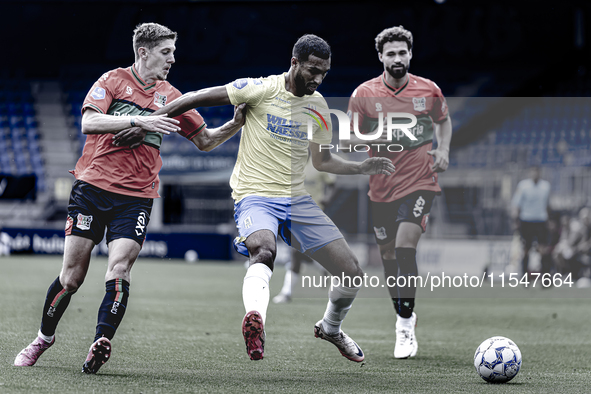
(546, 249)
(530, 210)
(573, 252)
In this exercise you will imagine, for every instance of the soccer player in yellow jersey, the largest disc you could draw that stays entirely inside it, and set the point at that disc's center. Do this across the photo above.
(268, 186)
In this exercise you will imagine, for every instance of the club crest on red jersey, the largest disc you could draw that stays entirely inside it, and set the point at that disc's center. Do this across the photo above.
(159, 100)
(419, 103)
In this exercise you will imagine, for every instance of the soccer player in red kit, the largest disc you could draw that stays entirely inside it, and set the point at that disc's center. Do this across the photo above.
(116, 183)
(401, 203)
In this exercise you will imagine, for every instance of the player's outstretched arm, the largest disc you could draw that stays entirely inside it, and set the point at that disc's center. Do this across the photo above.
(209, 97)
(324, 160)
(443, 133)
(94, 122)
(209, 139)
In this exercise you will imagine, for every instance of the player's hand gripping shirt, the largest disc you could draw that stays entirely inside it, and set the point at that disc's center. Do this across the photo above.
(418, 96)
(132, 172)
(274, 143)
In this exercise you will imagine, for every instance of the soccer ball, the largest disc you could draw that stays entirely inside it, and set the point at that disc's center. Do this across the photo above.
(497, 360)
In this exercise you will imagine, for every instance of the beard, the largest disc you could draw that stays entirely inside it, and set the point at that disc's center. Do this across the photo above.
(300, 84)
(397, 73)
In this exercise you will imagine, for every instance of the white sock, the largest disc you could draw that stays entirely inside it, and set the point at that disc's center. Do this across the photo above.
(255, 289)
(46, 338)
(340, 300)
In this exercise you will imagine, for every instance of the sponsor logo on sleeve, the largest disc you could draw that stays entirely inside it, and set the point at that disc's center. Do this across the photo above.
(98, 93)
(128, 90)
(83, 221)
(240, 83)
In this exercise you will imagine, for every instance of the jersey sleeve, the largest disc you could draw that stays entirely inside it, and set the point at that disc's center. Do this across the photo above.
(439, 112)
(101, 94)
(191, 122)
(247, 90)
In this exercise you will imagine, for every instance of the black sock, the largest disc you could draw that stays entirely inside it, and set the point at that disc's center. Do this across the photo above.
(391, 271)
(56, 302)
(407, 265)
(112, 308)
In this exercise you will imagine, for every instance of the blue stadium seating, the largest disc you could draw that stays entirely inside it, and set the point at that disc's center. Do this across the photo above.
(553, 133)
(20, 153)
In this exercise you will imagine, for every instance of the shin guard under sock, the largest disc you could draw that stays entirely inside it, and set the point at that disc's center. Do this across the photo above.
(56, 302)
(112, 308)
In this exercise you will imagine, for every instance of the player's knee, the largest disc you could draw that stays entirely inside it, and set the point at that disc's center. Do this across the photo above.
(120, 269)
(388, 255)
(71, 283)
(264, 256)
(358, 271)
(352, 268)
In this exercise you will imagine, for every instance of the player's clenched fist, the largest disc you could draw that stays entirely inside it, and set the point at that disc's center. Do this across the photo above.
(377, 166)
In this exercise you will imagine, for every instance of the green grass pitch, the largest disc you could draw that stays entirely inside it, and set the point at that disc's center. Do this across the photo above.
(182, 334)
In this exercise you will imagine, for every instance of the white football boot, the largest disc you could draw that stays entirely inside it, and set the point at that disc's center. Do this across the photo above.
(406, 342)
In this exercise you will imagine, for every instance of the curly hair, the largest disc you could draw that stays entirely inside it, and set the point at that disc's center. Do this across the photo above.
(396, 33)
(310, 44)
(150, 35)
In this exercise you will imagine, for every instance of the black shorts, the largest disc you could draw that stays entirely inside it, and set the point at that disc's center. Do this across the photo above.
(386, 216)
(91, 209)
(534, 231)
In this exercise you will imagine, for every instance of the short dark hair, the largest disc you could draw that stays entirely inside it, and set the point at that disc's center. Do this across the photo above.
(150, 35)
(310, 44)
(396, 33)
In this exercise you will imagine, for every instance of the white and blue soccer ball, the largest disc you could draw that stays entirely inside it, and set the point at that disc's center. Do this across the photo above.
(497, 360)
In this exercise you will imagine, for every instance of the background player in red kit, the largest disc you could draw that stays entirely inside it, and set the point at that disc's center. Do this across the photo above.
(401, 203)
(115, 184)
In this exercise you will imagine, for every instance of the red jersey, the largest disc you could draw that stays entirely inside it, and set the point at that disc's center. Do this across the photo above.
(132, 172)
(423, 99)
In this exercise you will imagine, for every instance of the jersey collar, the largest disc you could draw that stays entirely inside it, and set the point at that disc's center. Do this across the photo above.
(139, 80)
(393, 89)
